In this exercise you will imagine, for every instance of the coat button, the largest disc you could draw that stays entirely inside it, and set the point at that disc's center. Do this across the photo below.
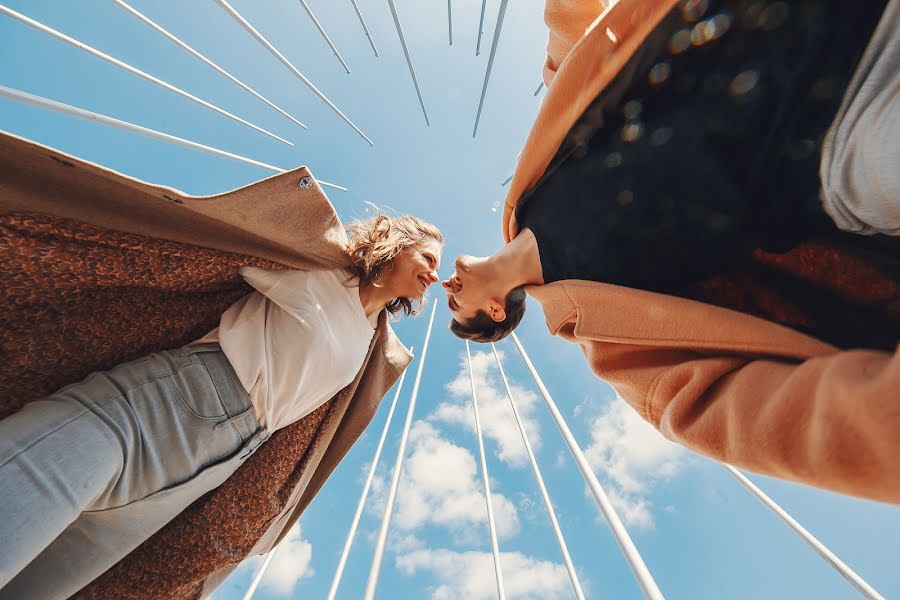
(306, 183)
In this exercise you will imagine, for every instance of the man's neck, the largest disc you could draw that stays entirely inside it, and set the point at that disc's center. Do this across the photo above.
(518, 263)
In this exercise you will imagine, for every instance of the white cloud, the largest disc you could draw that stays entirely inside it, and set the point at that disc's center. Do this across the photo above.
(290, 565)
(497, 419)
(441, 486)
(633, 457)
(470, 575)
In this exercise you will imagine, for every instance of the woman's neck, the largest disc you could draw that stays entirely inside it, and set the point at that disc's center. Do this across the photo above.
(374, 300)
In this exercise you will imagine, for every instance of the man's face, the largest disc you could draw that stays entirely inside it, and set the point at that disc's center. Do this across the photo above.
(470, 290)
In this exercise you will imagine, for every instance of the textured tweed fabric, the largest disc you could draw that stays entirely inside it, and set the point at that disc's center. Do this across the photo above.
(77, 299)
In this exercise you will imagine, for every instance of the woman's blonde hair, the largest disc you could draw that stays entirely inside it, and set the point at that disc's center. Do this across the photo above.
(375, 242)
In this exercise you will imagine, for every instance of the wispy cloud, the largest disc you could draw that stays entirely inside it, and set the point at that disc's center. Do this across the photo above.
(633, 458)
(292, 563)
(441, 486)
(497, 418)
(470, 575)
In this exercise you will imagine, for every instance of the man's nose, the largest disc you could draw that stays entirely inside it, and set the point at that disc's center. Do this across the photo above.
(446, 285)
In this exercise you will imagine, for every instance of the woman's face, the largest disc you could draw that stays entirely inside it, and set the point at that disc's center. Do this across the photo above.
(413, 271)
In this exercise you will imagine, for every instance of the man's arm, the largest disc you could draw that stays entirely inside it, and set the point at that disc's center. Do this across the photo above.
(831, 421)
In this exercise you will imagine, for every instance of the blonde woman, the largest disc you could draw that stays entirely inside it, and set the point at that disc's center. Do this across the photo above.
(157, 433)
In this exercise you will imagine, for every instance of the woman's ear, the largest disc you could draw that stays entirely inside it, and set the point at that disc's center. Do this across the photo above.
(497, 311)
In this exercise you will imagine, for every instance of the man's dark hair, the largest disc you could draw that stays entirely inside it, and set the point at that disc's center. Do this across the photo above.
(482, 328)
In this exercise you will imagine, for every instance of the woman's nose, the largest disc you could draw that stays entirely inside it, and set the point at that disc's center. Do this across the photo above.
(432, 277)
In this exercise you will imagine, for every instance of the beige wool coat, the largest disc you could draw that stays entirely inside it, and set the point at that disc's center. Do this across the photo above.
(738, 388)
(286, 219)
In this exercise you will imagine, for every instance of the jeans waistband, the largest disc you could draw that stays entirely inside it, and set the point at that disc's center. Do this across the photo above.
(234, 397)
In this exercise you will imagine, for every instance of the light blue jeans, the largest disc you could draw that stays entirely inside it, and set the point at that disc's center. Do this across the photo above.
(90, 472)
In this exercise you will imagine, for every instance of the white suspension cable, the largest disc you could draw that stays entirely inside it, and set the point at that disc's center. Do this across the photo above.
(846, 572)
(74, 111)
(324, 35)
(125, 66)
(378, 555)
(152, 24)
(409, 64)
(629, 551)
(365, 27)
(492, 527)
(564, 549)
(480, 28)
(248, 595)
(274, 51)
(490, 65)
(450, 20)
(336, 581)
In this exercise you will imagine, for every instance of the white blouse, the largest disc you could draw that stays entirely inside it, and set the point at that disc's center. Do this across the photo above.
(295, 342)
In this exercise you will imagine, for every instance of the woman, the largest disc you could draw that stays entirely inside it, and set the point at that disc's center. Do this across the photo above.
(667, 213)
(150, 436)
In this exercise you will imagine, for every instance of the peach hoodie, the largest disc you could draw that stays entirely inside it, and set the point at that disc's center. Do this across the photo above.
(734, 387)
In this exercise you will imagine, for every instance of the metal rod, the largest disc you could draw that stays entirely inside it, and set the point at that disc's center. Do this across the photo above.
(114, 61)
(626, 545)
(846, 572)
(506, 181)
(450, 20)
(539, 88)
(573, 576)
(248, 595)
(274, 51)
(147, 21)
(365, 27)
(378, 556)
(480, 28)
(492, 527)
(74, 111)
(324, 35)
(412, 71)
(339, 572)
(487, 74)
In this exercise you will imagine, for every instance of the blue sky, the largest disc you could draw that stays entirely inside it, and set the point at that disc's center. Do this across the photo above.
(700, 533)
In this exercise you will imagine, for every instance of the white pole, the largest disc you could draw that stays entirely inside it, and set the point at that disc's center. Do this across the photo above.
(365, 27)
(114, 61)
(339, 572)
(450, 20)
(492, 527)
(274, 51)
(324, 35)
(846, 572)
(629, 551)
(409, 64)
(259, 574)
(73, 111)
(564, 549)
(152, 24)
(378, 556)
(490, 65)
(480, 28)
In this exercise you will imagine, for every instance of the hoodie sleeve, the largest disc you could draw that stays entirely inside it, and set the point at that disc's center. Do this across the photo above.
(568, 21)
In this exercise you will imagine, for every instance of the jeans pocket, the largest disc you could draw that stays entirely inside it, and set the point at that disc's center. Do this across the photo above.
(196, 392)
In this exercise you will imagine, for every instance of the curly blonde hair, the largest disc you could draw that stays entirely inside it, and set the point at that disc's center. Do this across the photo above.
(375, 242)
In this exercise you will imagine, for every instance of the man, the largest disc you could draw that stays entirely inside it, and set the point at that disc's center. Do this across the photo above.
(666, 215)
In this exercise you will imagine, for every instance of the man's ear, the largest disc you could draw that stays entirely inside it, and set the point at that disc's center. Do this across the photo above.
(497, 311)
